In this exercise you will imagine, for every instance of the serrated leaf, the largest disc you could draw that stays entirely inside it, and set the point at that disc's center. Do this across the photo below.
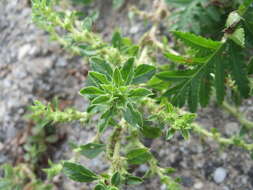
(133, 180)
(185, 60)
(127, 71)
(139, 92)
(132, 116)
(197, 41)
(91, 90)
(238, 37)
(102, 99)
(78, 173)
(170, 133)
(205, 90)
(150, 131)
(219, 79)
(116, 179)
(143, 73)
(175, 75)
(116, 40)
(238, 72)
(138, 156)
(98, 77)
(100, 187)
(233, 19)
(91, 150)
(101, 66)
(193, 98)
(117, 78)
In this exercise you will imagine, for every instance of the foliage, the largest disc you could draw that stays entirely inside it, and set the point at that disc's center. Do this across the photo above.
(136, 97)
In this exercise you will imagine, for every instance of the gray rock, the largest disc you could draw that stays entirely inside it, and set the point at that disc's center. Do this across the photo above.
(232, 128)
(219, 175)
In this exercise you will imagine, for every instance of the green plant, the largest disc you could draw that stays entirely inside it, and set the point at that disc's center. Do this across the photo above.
(21, 178)
(122, 89)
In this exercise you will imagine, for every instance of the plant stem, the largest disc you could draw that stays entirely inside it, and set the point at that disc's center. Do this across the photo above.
(226, 141)
(238, 115)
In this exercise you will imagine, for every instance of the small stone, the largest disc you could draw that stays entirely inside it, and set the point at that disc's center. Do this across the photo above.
(225, 188)
(187, 181)
(198, 185)
(232, 128)
(23, 51)
(134, 30)
(219, 175)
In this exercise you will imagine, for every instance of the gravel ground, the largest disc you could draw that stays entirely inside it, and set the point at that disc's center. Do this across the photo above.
(32, 67)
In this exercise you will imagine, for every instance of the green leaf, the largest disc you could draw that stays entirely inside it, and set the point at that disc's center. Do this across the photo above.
(100, 187)
(101, 66)
(133, 180)
(117, 40)
(197, 41)
(139, 92)
(132, 116)
(127, 71)
(150, 131)
(238, 36)
(185, 133)
(91, 150)
(138, 156)
(170, 133)
(250, 66)
(78, 173)
(116, 179)
(185, 60)
(238, 72)
(219, 79)
(102, 99)
(98, 77)
(91, 90)
(233, 19)
(193, 98)
(117, 78)
(175, 75)
(143, 73)
(205, 89)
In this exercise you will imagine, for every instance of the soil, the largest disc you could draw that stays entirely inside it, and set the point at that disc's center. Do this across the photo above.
(33, 67)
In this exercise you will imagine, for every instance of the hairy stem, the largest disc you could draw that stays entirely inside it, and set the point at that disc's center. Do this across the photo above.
(238, 115)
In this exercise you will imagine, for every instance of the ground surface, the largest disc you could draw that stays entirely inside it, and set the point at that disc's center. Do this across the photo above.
(32, 67)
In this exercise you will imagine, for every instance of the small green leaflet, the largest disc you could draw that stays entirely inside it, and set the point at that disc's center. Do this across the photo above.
(78, 173)
(100, 187)
(127, 71)
(116, 179)
(91, 90)
(139, 92)
(233, 19)
(238, 37)
(101, 99)
(238, 69)
(132, 116)
(98, 77)
(138, 156)
(91, 150)
(133, 180)
(143, 73)
(197, 41)
(101, 66)
(117, 78)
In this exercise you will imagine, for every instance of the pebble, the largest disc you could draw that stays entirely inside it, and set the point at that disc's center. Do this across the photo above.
(23, 51)
(232, 128)
(198, 185)
(219, 175)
